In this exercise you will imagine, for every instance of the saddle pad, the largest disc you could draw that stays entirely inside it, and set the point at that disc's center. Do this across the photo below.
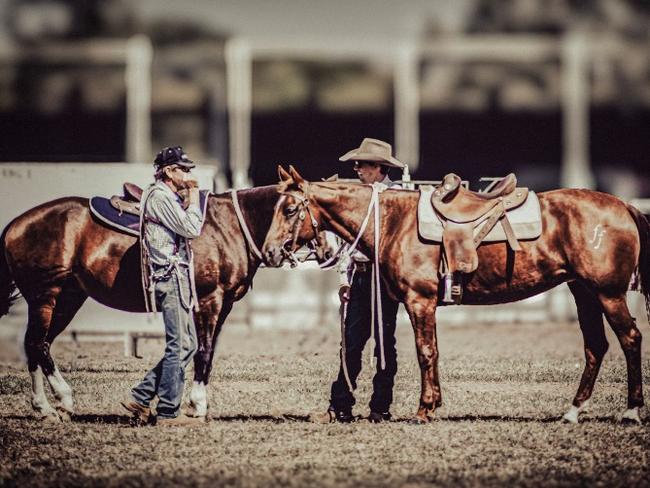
(101, 208)
(526, 220)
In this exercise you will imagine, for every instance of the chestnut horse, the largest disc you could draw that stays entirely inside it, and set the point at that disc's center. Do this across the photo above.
(597, 275)
(58, 255)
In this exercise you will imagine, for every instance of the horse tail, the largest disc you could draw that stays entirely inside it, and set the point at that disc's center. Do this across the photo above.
(8, 292)
(642, 274)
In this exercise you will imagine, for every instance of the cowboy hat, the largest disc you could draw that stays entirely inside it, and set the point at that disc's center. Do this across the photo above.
(373, 150)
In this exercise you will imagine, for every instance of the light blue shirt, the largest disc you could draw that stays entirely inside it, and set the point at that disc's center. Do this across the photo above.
(168, 226)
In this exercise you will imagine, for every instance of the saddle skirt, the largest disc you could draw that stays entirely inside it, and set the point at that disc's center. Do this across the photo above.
(526, 220)
(124, 216)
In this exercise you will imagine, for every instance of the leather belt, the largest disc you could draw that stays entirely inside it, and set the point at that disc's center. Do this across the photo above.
(362, 266)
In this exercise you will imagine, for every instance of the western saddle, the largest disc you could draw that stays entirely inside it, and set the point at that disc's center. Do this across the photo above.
(130, 201)
(468, 217)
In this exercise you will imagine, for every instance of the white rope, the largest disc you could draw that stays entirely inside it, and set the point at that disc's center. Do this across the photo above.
(382, 358)
(373, 299)
(375, 293)
(375, 286)
(344, 349)
(242, 224)
(376, 188)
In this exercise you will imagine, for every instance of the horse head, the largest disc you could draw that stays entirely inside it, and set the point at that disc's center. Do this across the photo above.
(296, 222)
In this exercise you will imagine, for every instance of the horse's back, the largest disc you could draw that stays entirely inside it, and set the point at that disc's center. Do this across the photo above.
(45, 223)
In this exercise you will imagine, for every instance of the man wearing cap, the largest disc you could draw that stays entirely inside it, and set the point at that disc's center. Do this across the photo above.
(372, 161)
(166, 228)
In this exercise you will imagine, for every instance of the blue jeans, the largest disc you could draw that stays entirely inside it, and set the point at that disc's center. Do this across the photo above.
(357, 333)
(167, 378)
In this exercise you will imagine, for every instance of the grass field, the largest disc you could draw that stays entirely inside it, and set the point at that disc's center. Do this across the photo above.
(505, 388)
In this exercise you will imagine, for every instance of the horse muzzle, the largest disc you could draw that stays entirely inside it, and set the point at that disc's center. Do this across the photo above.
(273, 256)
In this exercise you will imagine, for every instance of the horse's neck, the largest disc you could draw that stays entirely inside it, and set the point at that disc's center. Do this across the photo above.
(257, 205)
(346, 213)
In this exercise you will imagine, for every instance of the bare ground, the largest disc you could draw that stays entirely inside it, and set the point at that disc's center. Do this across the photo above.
(505, 388)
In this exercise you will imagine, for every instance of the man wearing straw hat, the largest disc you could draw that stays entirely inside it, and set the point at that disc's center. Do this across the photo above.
(372, 162)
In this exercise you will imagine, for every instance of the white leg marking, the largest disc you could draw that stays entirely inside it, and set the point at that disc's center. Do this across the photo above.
(631, 415)
(574, 412)
(39, 400)
(61, 390)
(199, 399)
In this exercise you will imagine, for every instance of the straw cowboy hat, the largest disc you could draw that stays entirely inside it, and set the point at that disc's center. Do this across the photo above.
(373, 150)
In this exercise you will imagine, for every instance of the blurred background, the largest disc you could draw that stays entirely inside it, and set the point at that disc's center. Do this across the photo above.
(557, 91)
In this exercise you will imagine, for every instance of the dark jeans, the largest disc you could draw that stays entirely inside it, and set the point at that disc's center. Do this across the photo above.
(357, 333)
(167, 378)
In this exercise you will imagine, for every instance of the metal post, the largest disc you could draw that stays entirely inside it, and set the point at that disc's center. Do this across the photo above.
(575, 172)
(239, 93)
(407, 102)
(139, 55)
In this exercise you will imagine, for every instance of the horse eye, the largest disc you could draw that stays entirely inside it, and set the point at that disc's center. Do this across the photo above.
(291, 210)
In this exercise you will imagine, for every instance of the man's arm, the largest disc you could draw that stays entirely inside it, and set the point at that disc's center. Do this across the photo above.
(169, 213)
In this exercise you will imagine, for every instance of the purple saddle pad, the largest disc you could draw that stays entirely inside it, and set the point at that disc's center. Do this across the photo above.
(104, 212)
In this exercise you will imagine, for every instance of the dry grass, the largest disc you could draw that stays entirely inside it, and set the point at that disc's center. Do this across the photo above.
(505, 388)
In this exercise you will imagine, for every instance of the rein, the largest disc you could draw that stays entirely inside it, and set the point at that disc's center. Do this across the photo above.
(244, 227)
(303, 201)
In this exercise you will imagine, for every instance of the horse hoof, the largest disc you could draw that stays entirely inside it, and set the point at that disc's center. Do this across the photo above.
(631, 417)
(192, 410)
(64, 414)
(50, 418)
(570, 418)
(419, 421)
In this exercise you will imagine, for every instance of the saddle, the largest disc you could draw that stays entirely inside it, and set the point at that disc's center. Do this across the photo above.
(130, 201)
(467, 218)
(122, 212)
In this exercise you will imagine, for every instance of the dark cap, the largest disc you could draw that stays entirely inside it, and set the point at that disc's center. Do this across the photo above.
(173, 155)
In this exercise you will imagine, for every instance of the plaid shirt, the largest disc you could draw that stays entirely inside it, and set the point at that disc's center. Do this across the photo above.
(167, 226)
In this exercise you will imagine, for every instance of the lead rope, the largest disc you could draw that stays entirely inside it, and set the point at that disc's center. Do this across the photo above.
(242, 224)
(145, 262)
(373, 299)
(377, 281)
(373, 199)
(344, 350)
(377, 188)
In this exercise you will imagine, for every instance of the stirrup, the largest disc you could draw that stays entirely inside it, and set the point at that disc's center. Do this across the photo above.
(453, 289)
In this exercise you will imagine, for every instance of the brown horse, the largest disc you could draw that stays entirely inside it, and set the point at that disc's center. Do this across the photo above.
(58, 255)
(598, 275)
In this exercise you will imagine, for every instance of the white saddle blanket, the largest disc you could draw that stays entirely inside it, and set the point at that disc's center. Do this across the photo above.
(526, 220)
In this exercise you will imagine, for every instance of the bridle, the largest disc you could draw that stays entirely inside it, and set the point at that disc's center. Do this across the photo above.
(288, 249)
(290, 246)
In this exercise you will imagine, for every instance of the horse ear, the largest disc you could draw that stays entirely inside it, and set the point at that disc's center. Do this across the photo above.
(282, 174)
(295, 175)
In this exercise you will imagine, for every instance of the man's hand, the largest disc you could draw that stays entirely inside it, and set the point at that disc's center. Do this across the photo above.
(189, 196)
(193, 196)
(344, 293)
(190, 182)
